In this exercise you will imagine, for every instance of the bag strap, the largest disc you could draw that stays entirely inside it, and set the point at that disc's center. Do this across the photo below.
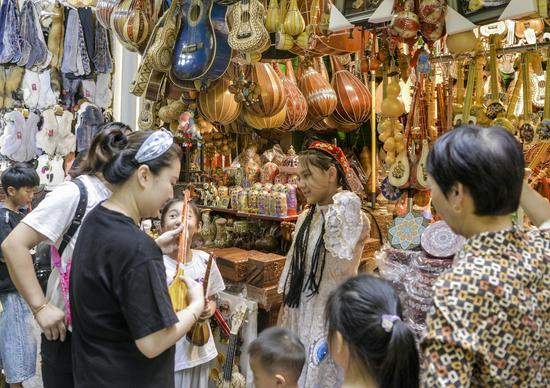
(78, 216)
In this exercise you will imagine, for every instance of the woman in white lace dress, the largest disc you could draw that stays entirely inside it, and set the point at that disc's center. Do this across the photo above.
(326, 250)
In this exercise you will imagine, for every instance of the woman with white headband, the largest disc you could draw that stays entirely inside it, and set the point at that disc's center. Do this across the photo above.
(124, 326)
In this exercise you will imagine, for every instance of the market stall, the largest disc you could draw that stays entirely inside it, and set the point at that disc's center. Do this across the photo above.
(243, 85)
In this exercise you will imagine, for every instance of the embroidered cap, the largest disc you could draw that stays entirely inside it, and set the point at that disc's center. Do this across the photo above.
(154, 146)
(338, 155)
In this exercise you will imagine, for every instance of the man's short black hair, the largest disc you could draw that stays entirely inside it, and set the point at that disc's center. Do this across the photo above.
(487, 161)
(19, 175)
(280, 351)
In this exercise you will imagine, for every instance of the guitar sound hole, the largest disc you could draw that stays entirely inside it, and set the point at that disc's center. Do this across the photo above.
(194, 12)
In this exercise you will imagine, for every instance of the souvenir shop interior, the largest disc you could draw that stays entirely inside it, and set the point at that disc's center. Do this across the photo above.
(243, 85)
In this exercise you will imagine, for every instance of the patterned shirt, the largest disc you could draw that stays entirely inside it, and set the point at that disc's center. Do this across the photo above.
(489, 325)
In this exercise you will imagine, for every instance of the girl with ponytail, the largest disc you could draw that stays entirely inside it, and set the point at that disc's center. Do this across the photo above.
(326, 250)
(367, 336)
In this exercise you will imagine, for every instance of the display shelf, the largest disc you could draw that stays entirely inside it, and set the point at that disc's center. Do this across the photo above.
(249, 215)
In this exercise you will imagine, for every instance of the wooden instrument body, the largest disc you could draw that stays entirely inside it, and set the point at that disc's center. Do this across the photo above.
(104, 10)
(272, 96)
(296, 104)
(321, 98)
(133, 21)
(248, 33)
(201, 50)
(217, 103)
(353, 97)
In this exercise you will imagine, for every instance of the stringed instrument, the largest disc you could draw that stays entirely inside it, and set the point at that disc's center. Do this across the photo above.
(132, 21)
(199, 334)
(165, 38)
(104, 10)
(273, 20)
(543, 129)
(217, 103)
(479, 110)
(508, 122)
(321, 98)
(353, 97)
(231, 378)
(400, 171)
(248, 33)
(459, 106)
(526, 129)
(296, 104)
(178, 288)
(201, 50)
(272, 98)
(465, 117)
(432, 130)
(538, 89)
(495, 106)
(420, 173)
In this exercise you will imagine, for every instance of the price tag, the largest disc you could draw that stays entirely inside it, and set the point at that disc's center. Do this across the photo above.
(530, 36)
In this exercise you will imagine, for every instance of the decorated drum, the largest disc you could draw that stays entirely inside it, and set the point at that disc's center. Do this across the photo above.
(439, 240)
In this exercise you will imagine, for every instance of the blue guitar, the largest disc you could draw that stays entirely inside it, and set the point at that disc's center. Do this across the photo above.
(201, 51)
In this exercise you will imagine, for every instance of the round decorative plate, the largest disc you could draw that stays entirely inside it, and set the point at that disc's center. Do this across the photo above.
(390, 192)
(439, 240)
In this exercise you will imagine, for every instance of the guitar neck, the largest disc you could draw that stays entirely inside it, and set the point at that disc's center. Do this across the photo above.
(231, 349)
(460, 83)
(526, 88)
(469, 91)
(515, 95)
(547, 88)
(493, 68)
(207, 275)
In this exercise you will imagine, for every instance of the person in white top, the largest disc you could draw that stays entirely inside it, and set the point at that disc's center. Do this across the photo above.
(192, 363)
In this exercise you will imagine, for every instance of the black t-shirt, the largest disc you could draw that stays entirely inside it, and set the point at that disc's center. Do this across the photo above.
(8, 221)
(118, 294)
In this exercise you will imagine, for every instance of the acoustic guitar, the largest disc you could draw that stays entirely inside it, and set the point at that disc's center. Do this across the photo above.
(230, 377)
(201, 50)
(543, 130)
(248, 33)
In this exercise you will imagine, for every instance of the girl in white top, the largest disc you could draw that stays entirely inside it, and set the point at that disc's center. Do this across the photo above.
(192, 363)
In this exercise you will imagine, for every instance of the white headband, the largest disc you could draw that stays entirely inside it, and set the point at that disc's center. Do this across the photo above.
(154, 146)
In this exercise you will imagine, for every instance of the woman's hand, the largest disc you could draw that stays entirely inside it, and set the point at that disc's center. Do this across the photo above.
(168, 241)
(195, 293)
(51, 320)
(209, 310)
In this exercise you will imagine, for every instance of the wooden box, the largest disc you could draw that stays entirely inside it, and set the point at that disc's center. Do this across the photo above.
(264, 269)
(232, 263)
(266, 297)
(368, 262)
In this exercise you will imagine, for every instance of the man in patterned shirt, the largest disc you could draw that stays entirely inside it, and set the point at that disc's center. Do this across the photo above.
(489, 325)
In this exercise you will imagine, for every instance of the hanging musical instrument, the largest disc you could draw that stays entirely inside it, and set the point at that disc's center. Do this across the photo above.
(479, 110)
(296, 104)
(495, 106)
(465, 117)
(432, 130)
(178, 288)
(104, 10)
(543, 129)
(272, 96)
(165, 38)
(248, 33)
(353, 98)
(199, 334)
(201, 50)
(459, 105)
(320, 97)
(217, 103)
(508, 122)
(132, 21)
(527, 129)
(273, 20)
(231, 378)
(534, 25)
(400, 171)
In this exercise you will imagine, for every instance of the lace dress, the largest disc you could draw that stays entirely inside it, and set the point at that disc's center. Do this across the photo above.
(346, 229)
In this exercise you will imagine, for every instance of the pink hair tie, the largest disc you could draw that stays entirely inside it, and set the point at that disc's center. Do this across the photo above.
(388, 321)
